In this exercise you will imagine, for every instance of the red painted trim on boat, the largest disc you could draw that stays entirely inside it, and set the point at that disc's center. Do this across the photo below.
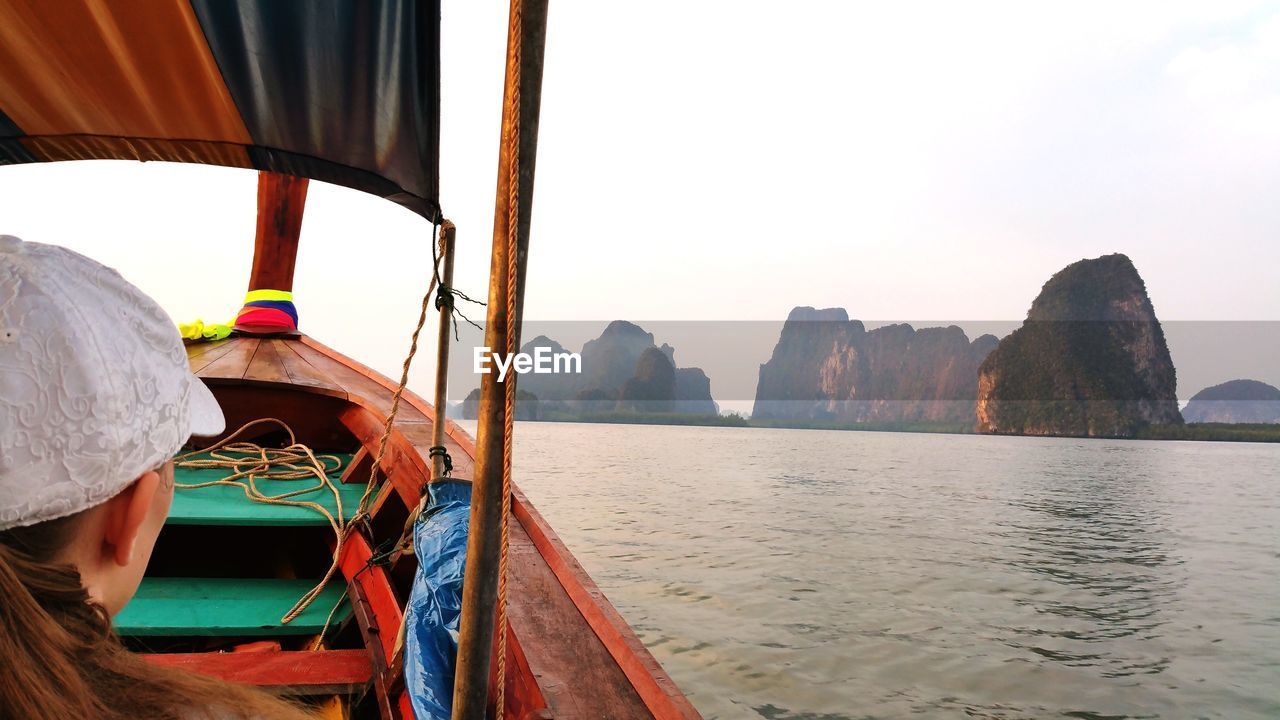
(331, 670)
(367, 425)
(376, 587)
(372, 585)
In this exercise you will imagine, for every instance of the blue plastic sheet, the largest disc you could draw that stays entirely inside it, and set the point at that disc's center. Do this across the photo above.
(435, 604)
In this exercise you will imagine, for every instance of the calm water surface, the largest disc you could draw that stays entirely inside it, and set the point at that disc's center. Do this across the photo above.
(790, 574)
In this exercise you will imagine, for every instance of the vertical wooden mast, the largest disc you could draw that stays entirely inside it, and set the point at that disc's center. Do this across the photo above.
(281, 199)
(526, 39)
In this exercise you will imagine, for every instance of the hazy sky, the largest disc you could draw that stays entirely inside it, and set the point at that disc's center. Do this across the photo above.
(729, 160)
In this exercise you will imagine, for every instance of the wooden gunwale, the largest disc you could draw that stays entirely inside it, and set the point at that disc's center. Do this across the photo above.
(656, 688)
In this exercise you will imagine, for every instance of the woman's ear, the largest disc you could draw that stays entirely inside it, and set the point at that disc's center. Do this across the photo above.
(126, 513)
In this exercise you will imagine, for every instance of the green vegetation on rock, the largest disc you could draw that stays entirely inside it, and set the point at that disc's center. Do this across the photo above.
(1090, 360)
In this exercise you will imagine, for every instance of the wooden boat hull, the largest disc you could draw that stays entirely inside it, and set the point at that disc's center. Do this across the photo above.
(569, 653)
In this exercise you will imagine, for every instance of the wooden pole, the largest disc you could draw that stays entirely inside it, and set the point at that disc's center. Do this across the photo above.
(526, 40)
(442, 353)
(281, 200)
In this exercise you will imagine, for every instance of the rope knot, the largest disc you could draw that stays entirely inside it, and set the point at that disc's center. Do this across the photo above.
(444, 297)
(440, 451)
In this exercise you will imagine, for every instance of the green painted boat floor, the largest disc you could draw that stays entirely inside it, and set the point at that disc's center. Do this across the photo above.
(221, 607)
(227, 505)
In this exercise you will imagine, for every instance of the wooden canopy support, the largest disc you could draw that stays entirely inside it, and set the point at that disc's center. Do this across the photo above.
(526, 40)
(281, 200)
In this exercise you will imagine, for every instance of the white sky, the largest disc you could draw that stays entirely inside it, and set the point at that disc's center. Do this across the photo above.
(729, 160)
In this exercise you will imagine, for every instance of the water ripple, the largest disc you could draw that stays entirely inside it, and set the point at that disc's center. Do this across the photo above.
(814, 575)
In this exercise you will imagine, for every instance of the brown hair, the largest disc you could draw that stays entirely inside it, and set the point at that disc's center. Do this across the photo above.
(62, 660)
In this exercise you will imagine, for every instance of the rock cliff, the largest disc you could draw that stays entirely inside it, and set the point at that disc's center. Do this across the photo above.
(610, 360)
(693, 393)
(1090, 360)
(653, 387)
(622, 370)
(1235, 401)
(828, 367)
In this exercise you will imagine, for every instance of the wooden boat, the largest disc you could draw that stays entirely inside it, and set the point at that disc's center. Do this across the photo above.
(574, 655)
(224, 83)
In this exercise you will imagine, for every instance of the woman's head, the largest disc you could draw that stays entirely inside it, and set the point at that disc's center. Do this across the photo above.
(95, 389)
(96, 397)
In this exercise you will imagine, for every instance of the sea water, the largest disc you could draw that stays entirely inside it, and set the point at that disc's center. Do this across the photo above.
(788, 574)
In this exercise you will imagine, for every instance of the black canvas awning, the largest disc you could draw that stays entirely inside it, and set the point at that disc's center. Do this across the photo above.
(342, 91)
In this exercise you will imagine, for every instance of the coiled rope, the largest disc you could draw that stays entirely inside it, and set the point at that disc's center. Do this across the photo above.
(250, 462)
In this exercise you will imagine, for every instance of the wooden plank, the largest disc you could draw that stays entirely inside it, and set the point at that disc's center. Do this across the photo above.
(224, 505)
(234, 363)
(357, 469)
(562, 652)
(266, 366)
(302, 372)
(402, 465)
(324, 672)
(195, 350)
(313, 416)
(379, 615)
(523, 698)
(374, 586)
(415, 415)
(659, 692)
(465, 442)
(202, 360)
(221, 607)
(360, 387)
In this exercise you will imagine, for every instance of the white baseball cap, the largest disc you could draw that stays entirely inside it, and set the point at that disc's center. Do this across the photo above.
(95, 388)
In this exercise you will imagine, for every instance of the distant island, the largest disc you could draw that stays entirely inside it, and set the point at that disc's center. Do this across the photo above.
(1235, 401)
(626, 377)
(1091, 360)
(829, 368)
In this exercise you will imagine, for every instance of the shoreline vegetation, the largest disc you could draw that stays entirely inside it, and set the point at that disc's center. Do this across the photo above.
(1205, 432)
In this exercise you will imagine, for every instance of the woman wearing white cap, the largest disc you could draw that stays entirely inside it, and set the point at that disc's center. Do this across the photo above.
(95, 398)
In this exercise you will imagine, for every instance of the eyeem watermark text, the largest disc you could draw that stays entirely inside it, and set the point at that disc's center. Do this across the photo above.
(543, 361)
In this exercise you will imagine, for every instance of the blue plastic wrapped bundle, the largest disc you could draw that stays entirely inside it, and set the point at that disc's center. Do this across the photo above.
(435, 605)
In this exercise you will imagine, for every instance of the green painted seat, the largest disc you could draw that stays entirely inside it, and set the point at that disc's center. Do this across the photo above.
(221, 607)
(227, 505)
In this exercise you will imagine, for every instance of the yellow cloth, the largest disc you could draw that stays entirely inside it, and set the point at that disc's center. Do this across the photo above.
(197, 331)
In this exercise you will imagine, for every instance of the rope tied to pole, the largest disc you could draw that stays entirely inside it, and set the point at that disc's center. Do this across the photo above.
(442, 452)
(446, 294)
(436, 255)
